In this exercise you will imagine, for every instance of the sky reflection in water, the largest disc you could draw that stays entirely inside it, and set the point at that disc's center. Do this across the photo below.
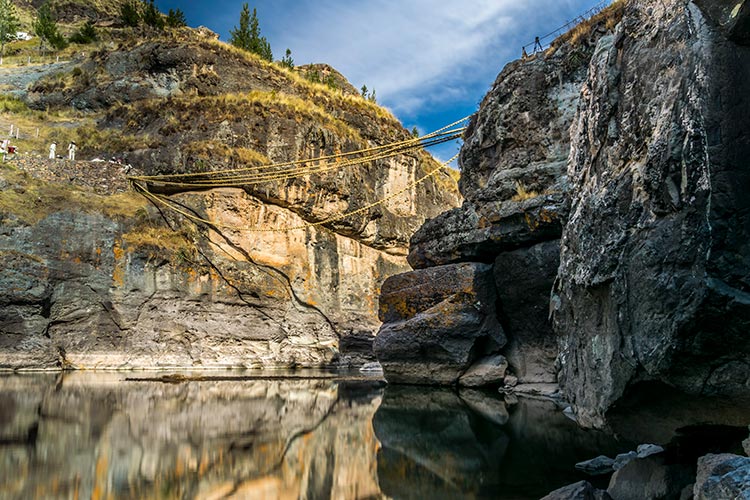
(84, 435)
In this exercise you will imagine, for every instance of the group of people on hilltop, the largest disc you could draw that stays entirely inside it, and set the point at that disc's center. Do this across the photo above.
(71, 151)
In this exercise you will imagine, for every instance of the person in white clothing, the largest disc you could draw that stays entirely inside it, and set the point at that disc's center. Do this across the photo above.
(72, 151)
(52, 150)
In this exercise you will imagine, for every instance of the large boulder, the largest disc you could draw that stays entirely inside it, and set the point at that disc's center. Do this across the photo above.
(437, 322)
(655, 269)
(649, 477)
(722, 476)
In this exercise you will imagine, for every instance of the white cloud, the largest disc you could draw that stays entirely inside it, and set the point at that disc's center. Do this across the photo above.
(401, 49)
(417, 54)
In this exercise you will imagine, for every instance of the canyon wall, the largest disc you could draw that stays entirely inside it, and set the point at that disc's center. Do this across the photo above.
(96, 277)
(604, 183)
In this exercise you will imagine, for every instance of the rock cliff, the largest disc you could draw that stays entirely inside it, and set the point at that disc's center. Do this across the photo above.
(604, 183)
(109, 281)
(653, 279)
(513, 179)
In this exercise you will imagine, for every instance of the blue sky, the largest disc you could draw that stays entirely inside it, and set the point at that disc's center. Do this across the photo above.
(429, 62)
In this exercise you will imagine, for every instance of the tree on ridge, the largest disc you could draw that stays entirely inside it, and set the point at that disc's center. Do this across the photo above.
(247, 36)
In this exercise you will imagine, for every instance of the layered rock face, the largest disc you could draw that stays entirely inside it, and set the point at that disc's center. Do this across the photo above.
(138, 286)
(653, 280)
(514, 183)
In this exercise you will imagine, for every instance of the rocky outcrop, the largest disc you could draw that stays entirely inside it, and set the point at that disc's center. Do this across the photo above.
(653, 279)
(113, 282)
(722, 476)
(437, 322)
(513, 179)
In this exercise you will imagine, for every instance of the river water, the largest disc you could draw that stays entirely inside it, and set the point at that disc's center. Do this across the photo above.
(229, 435)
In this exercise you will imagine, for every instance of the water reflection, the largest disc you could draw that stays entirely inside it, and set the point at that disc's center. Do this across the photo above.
(442, 447)
(101, 436)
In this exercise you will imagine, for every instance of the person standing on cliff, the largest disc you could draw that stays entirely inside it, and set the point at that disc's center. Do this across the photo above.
(72, 151)
(52, 150)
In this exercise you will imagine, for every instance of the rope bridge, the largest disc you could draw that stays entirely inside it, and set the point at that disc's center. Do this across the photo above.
(155, 187)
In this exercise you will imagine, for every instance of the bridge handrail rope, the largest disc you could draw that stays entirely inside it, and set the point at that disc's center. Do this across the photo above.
(244, 180)
(162, 200)
(538, 43)
(415, 141)
(242, 177)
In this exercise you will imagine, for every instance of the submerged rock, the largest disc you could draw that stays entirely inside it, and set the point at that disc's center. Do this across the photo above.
(649, 478)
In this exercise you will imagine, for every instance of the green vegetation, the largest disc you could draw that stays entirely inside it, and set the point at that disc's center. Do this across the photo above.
(367, 94)
(287, 60)
(151, 16)
(9, 24)
(86, 34)
(176, 18)
(14, 105)
(247, 36)
(130, 13)
(45, 28)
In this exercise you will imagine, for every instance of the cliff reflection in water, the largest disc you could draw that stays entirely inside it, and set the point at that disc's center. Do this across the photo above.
(98, 435)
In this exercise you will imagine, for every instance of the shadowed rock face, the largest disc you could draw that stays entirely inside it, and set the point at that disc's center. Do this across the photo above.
(514, 183)
(653, 281)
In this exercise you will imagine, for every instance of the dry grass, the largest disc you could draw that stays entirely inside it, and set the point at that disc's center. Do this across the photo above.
(31, 200)
(321, 93)
(63, 126)
(231, 107)
(161, 240)
(210, 151)
(522, 193)
(607, 18)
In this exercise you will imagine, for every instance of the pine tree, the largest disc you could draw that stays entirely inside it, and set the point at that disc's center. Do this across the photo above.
(176, 18)
(364, 91)
(86, 34)
(8, 24)
(372, 97)
(151, 16)
(287, 60)
(45, 28)
(247, 36)
(130, 13)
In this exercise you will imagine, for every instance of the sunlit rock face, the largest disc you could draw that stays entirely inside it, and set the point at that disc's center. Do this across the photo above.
(653, 278)
(88, 289)
(99, 436)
